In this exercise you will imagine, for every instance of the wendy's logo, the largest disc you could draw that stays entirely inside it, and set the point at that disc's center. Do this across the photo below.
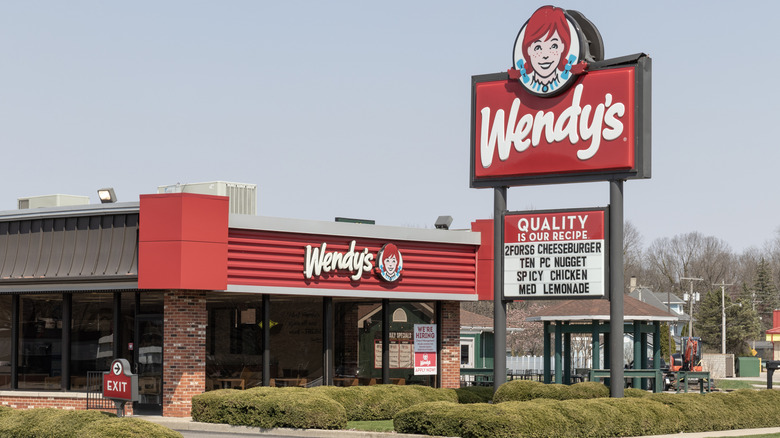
(551, 50)
(389, 263)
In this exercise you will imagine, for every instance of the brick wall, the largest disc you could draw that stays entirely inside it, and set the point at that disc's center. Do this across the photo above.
(22, 400)
(184, 344)
(450, 346)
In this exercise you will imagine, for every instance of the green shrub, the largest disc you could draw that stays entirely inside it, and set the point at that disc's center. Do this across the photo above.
(431, 418)
(634, 392)
(540, 418)
(639, 416)
(48, 422)
(474, 394)
(382, 402)
(126, 427)
(697, 411)
(523, 390)
(655, 414)
(585, 390)
(270, 407)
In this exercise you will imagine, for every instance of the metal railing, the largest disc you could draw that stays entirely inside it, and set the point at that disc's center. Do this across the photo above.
(95, 399)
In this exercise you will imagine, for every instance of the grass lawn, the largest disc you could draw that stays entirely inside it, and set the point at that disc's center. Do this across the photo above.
(371, 426)
(737, 384)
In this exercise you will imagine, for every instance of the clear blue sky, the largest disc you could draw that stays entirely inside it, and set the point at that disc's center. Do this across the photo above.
(361, 109)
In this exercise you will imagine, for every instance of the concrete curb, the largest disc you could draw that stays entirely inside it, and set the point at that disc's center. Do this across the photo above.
(720, 433)
(186, 424)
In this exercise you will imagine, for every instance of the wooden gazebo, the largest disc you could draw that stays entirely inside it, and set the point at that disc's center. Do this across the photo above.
(569, 317)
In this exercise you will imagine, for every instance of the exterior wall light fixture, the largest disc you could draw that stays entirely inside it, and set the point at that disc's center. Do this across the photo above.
(107, 195)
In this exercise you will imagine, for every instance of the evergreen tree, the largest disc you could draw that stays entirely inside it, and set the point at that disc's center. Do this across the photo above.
(708, 321)
(665, 335)
(764, 295)
(742, 324)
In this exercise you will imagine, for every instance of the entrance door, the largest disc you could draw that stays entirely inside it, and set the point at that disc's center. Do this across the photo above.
(148, 358)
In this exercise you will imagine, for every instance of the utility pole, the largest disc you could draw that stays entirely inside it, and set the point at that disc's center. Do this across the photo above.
(723, 314)
(690, 303)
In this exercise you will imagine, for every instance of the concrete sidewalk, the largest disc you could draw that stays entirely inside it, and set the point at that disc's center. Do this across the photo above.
(722, 433)
(186, 424)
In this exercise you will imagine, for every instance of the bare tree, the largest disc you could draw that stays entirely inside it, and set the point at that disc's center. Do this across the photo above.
(689, 255)
(633, 254)
(530, 338)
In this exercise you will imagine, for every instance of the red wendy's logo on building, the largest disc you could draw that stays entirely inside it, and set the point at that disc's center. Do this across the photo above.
(390, 263)
(319, 261)
(548, 52)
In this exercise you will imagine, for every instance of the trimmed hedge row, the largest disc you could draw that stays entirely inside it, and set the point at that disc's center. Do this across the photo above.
(324, 407)
(475, 394)
(598, 417)
(524, 390)
(49, 422)
(267, 407)
(382, 402)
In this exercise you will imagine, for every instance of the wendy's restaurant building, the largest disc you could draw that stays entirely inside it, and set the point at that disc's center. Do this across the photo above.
(198, 293)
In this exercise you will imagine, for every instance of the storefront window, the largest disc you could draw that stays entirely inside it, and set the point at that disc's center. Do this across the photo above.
(40, 342)
(353, 347)
(296, 341)
(358, 346)
(92, 336)
(127, 327)
(404, 316)
(5, 341)
(234, 351)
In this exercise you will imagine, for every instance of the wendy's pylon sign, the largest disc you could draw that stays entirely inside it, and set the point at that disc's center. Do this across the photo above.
(561, 113)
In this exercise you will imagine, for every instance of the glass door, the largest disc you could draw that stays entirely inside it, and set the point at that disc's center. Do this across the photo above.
(148, 356)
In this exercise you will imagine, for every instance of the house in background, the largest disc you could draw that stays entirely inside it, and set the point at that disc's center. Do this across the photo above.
(664, 301)
(476, 346)
(772, 335)
(476, 341)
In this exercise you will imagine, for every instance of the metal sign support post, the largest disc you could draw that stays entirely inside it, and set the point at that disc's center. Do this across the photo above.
(120, 408)
(616, 288)
(499, 306)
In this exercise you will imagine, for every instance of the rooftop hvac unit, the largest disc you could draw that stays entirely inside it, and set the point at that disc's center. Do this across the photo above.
(51, 201)
(243, 197)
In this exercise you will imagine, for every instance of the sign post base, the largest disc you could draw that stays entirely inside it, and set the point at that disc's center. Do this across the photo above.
(120, 408)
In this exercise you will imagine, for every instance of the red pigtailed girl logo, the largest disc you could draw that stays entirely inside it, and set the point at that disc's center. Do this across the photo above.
(390, 264)
(548, 52)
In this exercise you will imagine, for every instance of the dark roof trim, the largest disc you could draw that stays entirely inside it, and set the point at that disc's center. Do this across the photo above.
(97, 286)
(59, 251)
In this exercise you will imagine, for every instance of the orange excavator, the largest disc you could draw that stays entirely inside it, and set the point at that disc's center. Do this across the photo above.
(690, 358)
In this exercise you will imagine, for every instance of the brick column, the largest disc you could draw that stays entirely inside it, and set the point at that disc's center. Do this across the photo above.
(184, 350)
(450, 346)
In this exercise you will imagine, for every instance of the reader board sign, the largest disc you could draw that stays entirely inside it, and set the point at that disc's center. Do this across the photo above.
(555, 254)
(424, 349)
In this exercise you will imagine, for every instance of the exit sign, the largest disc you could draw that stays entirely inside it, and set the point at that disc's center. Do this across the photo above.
(119, 383)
